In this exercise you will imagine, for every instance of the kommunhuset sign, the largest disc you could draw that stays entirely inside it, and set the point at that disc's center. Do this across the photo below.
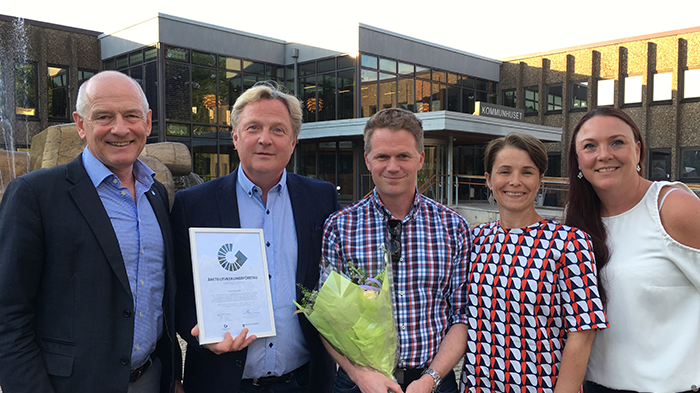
(498, 111)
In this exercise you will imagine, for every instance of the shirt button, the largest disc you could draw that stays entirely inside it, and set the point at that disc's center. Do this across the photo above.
(141, 282)
(270, 345)
(268, 212)
(138, 347)
(141, 315)
(123, 192)
(268, 244)
(142, 251)
(115, 181)
(401, 293)
(127, 313)
(403, 327)
(124, 360)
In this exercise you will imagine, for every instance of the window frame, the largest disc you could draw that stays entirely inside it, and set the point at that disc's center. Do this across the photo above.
(505, 99)
(549, 87)
(536, 100)
(627, 90)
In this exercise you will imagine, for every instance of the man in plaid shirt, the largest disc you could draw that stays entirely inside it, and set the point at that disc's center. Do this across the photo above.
(429, 245)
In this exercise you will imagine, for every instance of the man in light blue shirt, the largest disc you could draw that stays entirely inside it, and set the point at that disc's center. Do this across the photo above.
(86, 261)
(291, 210)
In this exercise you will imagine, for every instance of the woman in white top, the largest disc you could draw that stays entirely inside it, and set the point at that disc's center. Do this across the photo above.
(646, 238)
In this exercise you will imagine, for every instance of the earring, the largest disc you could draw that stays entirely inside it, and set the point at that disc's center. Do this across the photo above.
(580, 175)
(639, 168)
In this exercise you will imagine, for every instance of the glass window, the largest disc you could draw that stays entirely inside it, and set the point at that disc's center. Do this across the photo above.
(553, 164)
(58, 92)
(368, 93)
(482, 84)
(326, 65)
(174, 129)
(659, 164)
(422, 72)
(387, 91)
(606, 92)
(691, 83)
(509, 98)
(307, 88)
(25, 89)
(690, 163)
(205, 59)
(121, 62)
(387, 65)
(467, 81)
(150, 54)
(204, 102)
(179, 54)
(532, 99)
(406, 69)
(468, 101)
(108, 64)
(579, 95)
(454, 99)
(136, 74)
(439, 76)
(253, 67)
(326, 97)
(230, 63)
(177, 92)
(554, 97)
(346, 94)
(452, 79)
(369, 62)
(422, 96)
(205, 159)
(406, 94)
(84, 75)
(438, 97)
(204, 131)
(150, 87)
(345, 62)
(663, 89)
(633, 89)
(230, 88)
(306, 159)
(136, 58)
(307, 68)
(228, 157)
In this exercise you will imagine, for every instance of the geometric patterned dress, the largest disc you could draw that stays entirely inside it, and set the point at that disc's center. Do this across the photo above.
(527, 287)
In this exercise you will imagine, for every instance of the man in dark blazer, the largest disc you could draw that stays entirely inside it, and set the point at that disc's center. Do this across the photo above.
(76, 310)
(259, 194)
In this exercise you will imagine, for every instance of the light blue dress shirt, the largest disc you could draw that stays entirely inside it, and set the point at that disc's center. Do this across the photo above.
(287, 351)
(141, 243)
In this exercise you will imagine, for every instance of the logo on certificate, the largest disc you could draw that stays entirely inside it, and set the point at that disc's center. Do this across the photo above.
(230, 261)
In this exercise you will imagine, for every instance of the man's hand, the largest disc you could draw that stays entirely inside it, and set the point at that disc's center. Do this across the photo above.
(370, 381)
(424, 384)
(229, 344)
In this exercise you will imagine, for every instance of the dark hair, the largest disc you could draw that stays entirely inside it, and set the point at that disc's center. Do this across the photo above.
(582, 202)
(528, 143)
(394, 119)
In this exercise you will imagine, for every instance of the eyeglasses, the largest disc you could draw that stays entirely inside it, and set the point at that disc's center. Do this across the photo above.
(394, 243)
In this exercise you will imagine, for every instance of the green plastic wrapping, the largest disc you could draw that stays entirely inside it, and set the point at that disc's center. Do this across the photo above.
(360, 327)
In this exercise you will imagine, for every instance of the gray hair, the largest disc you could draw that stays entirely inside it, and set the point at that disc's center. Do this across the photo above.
(83, 100)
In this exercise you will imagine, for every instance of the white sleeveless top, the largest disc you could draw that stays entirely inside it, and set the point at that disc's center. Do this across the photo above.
(653, 284)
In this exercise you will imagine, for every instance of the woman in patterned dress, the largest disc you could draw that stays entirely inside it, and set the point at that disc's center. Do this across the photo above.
(533, 297)
(647, 245)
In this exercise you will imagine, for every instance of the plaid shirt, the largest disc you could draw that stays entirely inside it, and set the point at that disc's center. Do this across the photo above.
(429, 292)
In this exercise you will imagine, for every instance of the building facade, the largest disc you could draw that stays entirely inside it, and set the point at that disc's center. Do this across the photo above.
(41, 67)
(192, 73)
(653, 78)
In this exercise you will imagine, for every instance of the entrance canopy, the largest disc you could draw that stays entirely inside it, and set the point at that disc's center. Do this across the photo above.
(464, 128)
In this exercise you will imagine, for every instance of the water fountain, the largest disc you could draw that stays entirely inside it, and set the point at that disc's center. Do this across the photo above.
(13, 50)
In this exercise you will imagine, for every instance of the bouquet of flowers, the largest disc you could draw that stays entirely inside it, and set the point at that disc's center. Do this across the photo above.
(355, 315)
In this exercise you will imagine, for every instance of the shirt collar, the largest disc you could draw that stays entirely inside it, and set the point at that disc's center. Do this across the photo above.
(252, 189)
(98, 172)
(377, 203)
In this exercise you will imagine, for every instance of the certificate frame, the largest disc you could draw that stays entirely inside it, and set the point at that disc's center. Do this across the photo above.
(231, 294)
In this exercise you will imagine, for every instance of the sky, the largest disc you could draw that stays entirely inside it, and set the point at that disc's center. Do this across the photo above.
(494, 29)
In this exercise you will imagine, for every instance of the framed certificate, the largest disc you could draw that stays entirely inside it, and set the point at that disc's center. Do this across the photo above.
(231, 285)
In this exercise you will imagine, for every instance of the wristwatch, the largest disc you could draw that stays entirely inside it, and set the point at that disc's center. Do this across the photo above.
(436, 378)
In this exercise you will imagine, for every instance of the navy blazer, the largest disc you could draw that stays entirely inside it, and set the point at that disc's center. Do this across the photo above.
(66, 310)
(215, 204)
